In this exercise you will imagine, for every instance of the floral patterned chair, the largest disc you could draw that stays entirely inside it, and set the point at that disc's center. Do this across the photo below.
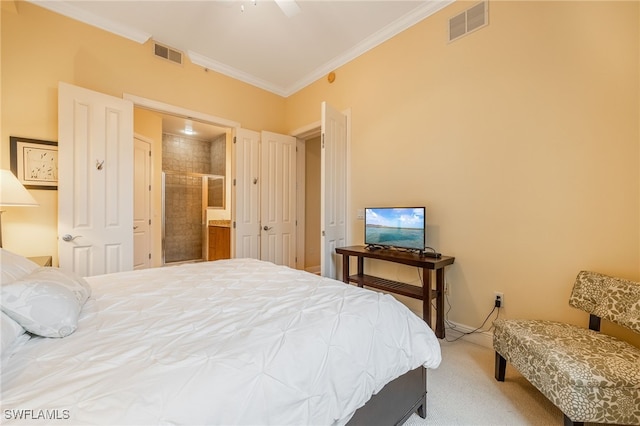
(590, 376)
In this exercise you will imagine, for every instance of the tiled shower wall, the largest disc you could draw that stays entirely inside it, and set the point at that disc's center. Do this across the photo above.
(218, 167)
(183, 195)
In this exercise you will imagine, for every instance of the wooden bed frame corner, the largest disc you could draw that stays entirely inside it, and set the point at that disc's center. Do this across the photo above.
(396, 402)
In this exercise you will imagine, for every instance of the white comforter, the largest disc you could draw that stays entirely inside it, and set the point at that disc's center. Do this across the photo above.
(228, 342)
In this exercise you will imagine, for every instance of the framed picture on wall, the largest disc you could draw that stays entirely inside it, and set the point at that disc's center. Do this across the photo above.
(34, 162)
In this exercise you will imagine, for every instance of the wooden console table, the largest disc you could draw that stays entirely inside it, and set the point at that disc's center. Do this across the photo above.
(424, 293)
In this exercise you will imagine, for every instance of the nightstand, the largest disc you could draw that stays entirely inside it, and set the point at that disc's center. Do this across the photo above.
(42, 260)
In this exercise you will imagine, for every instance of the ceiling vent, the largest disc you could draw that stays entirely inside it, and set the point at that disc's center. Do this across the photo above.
(468, 21)
(167, 53)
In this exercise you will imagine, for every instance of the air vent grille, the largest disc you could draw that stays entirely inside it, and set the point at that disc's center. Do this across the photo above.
(468, 21)
(167, 53)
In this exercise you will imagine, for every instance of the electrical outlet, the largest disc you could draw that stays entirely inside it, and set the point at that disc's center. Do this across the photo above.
(498, 298)
(446, 288)
(360, 214)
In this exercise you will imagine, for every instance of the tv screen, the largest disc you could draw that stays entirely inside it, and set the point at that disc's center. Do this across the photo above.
(401, 227)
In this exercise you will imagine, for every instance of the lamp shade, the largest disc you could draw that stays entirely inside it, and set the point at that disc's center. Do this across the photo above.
(12, 193)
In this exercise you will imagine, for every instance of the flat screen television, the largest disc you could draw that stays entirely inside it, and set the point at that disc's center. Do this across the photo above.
(399, 227)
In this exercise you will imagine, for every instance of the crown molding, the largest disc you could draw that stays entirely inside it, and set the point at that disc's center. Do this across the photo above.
(70, 11)
(232, 72)
(391, 30)
(427, 9)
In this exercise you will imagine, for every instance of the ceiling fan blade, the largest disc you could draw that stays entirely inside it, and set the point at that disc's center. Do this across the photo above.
(288, 7)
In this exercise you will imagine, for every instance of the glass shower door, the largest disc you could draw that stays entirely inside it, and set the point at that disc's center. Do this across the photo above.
(184, 217)
(185, 200)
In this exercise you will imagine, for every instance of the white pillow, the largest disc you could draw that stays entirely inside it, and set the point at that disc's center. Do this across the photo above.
(46, 302)
(14, 266)
(9, 332)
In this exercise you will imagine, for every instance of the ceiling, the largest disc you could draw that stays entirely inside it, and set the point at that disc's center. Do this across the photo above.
(256, 41)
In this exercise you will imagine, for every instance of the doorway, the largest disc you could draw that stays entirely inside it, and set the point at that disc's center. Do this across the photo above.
(332, 213)
(312, 187)
(193, 185)
(149, 120)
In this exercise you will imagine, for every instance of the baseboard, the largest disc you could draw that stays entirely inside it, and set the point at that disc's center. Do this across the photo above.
(482, 338)
(313, 269)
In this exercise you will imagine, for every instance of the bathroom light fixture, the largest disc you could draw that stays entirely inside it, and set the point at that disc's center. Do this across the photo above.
(188, 129)
(13, 194)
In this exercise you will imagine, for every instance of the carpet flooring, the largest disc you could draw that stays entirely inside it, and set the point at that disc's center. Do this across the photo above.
(463, 391)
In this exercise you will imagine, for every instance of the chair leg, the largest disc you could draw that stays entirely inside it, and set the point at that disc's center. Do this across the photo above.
(569, 422)
(501, 366)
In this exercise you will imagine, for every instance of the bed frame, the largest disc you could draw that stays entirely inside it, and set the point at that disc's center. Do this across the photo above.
(396, 402)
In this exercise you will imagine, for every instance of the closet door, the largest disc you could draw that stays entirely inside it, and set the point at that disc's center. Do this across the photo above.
(246, 194)
(278, 199)
(265, 196)
(333, 187)
(95, 186)
(142, 202)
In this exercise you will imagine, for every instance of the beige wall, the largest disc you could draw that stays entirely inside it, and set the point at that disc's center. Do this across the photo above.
(41, 48)
(522, 140)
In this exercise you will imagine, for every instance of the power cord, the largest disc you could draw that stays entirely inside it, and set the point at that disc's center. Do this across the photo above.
(480, 327)
(497, 305)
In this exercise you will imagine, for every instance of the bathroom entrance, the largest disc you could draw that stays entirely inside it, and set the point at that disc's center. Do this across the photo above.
(193, 188)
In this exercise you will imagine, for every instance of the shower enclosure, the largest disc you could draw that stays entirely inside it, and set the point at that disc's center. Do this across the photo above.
(185, 200)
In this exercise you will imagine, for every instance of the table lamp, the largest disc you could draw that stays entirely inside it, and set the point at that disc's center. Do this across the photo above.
(13, 194)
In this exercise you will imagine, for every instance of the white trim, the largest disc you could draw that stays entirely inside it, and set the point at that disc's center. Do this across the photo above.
(176, 110)
(301, 196)
(69, 10)
(429, 8)
(482, 338)
(347, 112)
(235, 73)
(389, 31)
(307, 132)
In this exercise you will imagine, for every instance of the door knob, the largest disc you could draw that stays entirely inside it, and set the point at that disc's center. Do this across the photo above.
(267, 228)
(67, 237)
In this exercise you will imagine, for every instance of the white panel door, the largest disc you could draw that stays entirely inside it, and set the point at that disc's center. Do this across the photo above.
(333, 187)
(141, 203)
(95, 191)
(246, 190)
(278, 198)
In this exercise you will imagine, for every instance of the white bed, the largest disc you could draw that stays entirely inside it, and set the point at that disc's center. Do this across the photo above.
(233, 342)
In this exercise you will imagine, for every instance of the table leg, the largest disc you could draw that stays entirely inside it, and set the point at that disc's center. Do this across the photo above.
(345, 268)
(360, 270)
(440, 303)
(426, 296)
